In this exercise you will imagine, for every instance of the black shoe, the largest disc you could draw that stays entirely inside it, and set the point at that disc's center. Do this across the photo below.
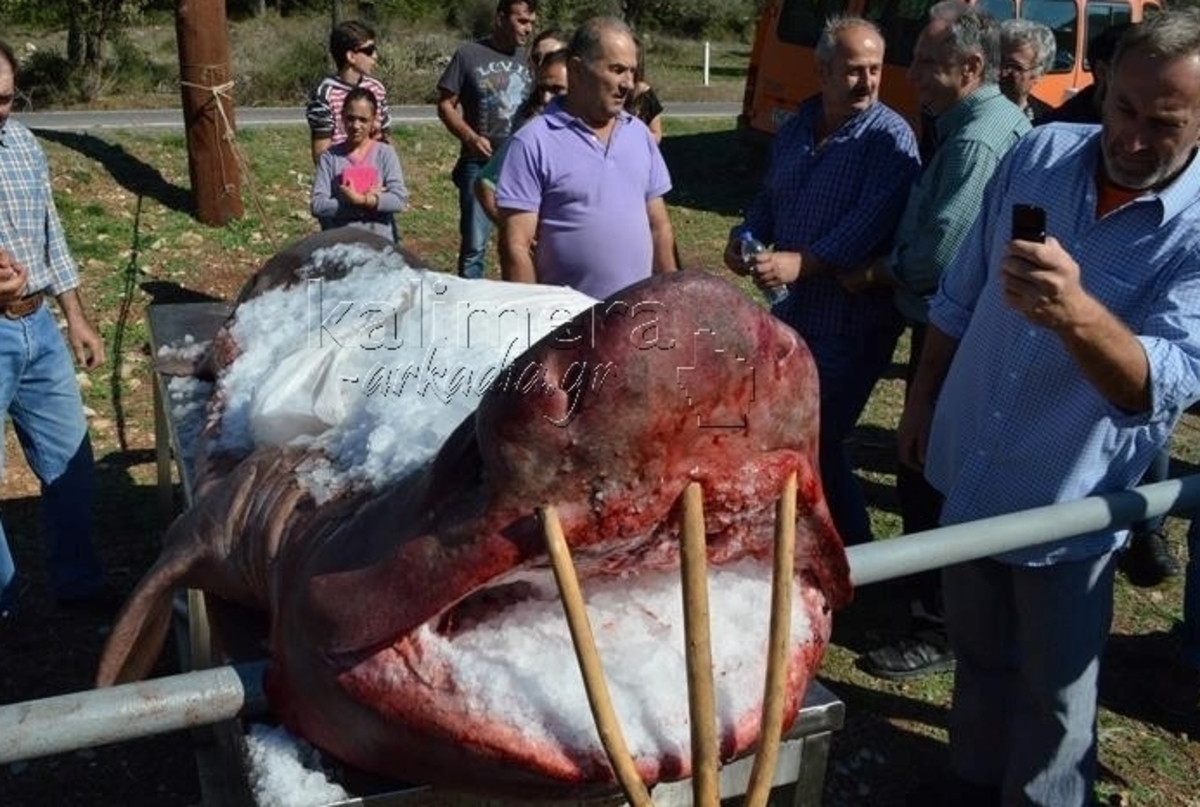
(922, 652)
(104, 604)
(15, 630)
(1148, 561)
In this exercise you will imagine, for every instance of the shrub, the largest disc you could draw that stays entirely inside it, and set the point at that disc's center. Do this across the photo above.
(46, 79)
(131, 70)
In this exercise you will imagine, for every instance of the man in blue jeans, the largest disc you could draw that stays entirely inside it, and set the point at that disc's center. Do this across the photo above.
(38, 389)
(840, 171)
(478, 96)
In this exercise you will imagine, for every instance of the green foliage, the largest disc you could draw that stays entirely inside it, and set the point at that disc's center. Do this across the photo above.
(286, 74)
(410, 10)
(33, 14)
(474, 18)
(131, 70)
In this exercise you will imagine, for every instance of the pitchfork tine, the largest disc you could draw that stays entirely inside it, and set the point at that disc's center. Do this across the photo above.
(702, 708)
(599, 699)
(771, 724)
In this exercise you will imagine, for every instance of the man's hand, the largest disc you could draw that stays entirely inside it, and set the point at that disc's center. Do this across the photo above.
(912, 434)
(865, 278)
(1041, 282)
(479, 146)
(86, 344)
(12, 278)
(772, 269)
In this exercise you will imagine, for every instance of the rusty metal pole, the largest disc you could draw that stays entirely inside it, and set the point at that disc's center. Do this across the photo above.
(207, 87)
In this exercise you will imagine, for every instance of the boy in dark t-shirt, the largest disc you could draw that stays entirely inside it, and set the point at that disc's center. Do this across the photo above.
(478, 96)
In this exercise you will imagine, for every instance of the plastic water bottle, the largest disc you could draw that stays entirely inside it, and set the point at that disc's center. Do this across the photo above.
(751, 247)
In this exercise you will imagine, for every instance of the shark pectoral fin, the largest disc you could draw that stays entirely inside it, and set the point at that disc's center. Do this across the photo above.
(137, 638)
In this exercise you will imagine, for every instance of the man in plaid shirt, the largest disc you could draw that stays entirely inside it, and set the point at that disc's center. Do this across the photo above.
(38, 389)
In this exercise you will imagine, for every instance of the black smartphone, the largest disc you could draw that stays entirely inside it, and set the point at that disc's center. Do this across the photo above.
(1028, 223)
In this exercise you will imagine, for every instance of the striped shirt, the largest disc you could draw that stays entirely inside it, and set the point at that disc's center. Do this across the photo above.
(324, 110)
(30, 230)
(841, 200)
(1017, 425)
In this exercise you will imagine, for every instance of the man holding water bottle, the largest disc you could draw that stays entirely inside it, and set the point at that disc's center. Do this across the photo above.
(840, 171)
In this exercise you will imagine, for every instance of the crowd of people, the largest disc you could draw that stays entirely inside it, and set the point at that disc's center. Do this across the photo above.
(1087, 340)
(1078, 351)
(1075, 348)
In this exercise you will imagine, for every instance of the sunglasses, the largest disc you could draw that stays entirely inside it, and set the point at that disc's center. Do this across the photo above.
(366, 50)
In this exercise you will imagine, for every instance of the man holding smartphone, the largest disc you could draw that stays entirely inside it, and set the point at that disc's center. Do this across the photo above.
(1051, 372)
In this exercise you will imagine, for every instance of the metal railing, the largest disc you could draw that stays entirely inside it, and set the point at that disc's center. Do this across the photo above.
(78, 720)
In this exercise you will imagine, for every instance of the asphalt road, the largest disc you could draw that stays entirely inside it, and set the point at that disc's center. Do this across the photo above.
(83, 120)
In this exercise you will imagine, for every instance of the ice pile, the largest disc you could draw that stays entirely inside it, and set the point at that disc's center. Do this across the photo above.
(376, 368)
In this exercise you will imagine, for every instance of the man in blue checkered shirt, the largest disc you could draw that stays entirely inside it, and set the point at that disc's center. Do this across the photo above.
(840, 171)
(38, 389)
(1051, 372)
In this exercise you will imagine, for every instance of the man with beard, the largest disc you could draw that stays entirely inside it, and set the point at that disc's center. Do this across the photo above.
(478, 96)
(586, 181)
(840, 170)
(1054, 371)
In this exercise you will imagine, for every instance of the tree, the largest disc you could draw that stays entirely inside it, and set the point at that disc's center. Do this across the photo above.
(90, 23)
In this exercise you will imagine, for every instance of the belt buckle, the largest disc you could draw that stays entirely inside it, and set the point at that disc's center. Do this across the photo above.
(23, 307)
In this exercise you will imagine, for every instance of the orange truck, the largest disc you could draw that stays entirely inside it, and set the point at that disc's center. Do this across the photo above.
(783, 72)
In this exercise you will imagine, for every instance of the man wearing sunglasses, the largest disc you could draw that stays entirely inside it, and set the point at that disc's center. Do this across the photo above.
(352, 46)
(478, 96)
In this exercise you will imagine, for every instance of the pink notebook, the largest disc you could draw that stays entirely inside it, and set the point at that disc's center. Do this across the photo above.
(361, 177)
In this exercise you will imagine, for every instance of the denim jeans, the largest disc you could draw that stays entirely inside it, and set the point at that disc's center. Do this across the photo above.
(474, 227)
(1190, 651)
(848, 365)
(39, 391)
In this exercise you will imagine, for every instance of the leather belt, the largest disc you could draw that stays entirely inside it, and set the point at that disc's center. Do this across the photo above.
(23, 306)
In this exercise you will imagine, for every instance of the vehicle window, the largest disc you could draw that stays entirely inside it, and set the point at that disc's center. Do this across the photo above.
(1061, 17)
(901, 22)
(1000, 9)
(801, 21)
(1101, 16)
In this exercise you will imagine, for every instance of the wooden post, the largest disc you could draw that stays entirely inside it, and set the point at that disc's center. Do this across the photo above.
(207, 87)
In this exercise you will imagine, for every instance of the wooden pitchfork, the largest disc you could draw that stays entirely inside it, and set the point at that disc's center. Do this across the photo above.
(698, 647)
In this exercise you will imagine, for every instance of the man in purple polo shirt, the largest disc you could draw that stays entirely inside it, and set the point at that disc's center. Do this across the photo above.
(585, 181)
